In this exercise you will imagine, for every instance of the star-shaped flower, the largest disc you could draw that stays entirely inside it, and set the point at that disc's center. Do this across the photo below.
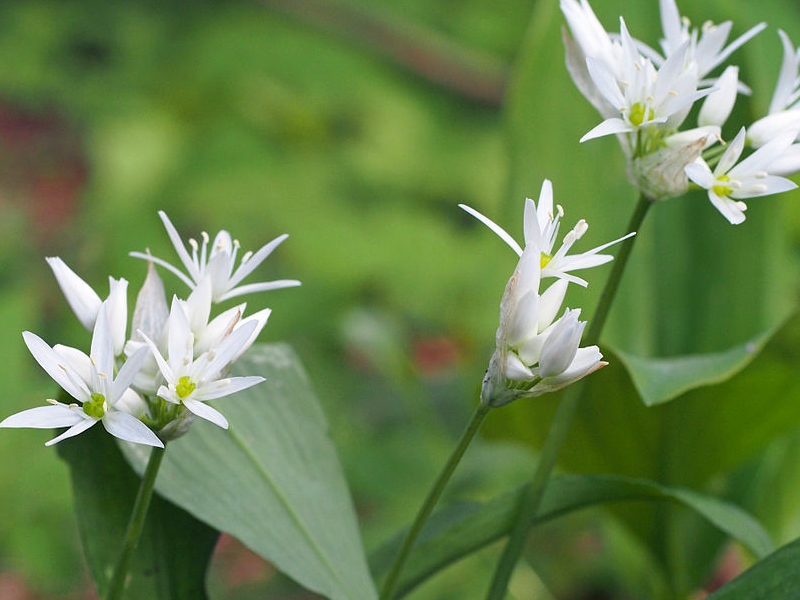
(218, 262)
(730, 182)
(192, 381)
(90, 381)
(541, 225)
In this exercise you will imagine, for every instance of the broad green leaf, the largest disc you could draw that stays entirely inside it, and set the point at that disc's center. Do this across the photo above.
(775, 577)
(173, 553)
(660, 380)
(272, 480)
(457, 531)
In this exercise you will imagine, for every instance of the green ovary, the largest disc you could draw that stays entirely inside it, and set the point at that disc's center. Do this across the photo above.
(640, 113)
(720, 189)
(544, 260)
(185, 387)
(96, 406)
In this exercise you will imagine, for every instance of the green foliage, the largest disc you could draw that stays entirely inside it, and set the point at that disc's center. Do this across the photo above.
(462, 529)
(773, 578)
(272, 480)
(173, 553)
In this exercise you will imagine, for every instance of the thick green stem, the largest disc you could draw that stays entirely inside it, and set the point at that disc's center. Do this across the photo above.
(534, 491)
(432, 498)
(116, 586)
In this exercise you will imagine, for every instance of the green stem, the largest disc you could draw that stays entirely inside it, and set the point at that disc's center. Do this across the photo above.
(118, 579)
(432, 498)
(534, 491)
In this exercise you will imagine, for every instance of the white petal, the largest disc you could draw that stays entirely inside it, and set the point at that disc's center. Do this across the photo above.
(499, 231)
(225, 387)
(76, 429)
(81, 297)
(204, 411)
(129, 428)
(54, 365)
(247, 267)
(733, 210)
(608, 127)
(251, 288)
(718, 105)
(45, 417)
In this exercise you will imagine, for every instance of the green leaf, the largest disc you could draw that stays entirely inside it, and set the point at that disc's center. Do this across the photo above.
(171, 559)
(776, 577)
(660, 380)
(272, 480)
(457, 531)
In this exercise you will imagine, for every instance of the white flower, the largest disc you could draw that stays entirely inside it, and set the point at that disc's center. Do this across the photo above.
(218, 262)
(85, 302)
(89, 380)
(541, 227)
(535, 355)
(644, 96)
(192, 381)
(707, 48)
(729, 182)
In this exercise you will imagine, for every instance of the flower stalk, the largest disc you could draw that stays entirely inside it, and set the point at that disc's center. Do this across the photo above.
(534, 491)
(431, 500)
(116, 586)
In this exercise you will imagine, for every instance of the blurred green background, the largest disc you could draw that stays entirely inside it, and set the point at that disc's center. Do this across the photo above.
(357, 128)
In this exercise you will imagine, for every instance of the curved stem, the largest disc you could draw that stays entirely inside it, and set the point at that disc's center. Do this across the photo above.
(432, 498)
(118, 579)
(534, 491)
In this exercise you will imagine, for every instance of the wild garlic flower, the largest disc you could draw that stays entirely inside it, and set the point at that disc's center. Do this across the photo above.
(535, 352)
(706, 48)
(729, 183)
(645, 95)
(191, 381)
(218, 261)
(645, 98)
(541, 225)
(90, 380)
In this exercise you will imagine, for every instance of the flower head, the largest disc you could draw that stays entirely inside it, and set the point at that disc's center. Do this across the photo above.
(192, 381)
(218, 261)
(535, 353)
(90, 381)
(730, 182)
(541, 226)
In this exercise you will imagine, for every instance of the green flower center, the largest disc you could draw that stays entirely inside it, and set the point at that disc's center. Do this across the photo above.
(544, 260)
(722, 190)
(96, 407)
(640, 113)
(185, 387)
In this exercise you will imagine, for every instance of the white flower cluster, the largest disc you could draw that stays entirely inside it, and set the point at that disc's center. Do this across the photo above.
(645, 96)
(148, 388)
(536, 352)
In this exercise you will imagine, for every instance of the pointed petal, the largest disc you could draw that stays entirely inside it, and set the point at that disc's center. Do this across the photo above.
(249, 265)
(204, 411)
(82, 299)
(54, 365)
(252, 288)
(45, 417)
(126, 427)
(499, 231)
(76, 429)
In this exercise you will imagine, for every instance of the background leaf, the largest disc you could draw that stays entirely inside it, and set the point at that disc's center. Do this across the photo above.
(171, 559)
(272, 480)
(460, 529)
(659, 380)
(774, 578)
